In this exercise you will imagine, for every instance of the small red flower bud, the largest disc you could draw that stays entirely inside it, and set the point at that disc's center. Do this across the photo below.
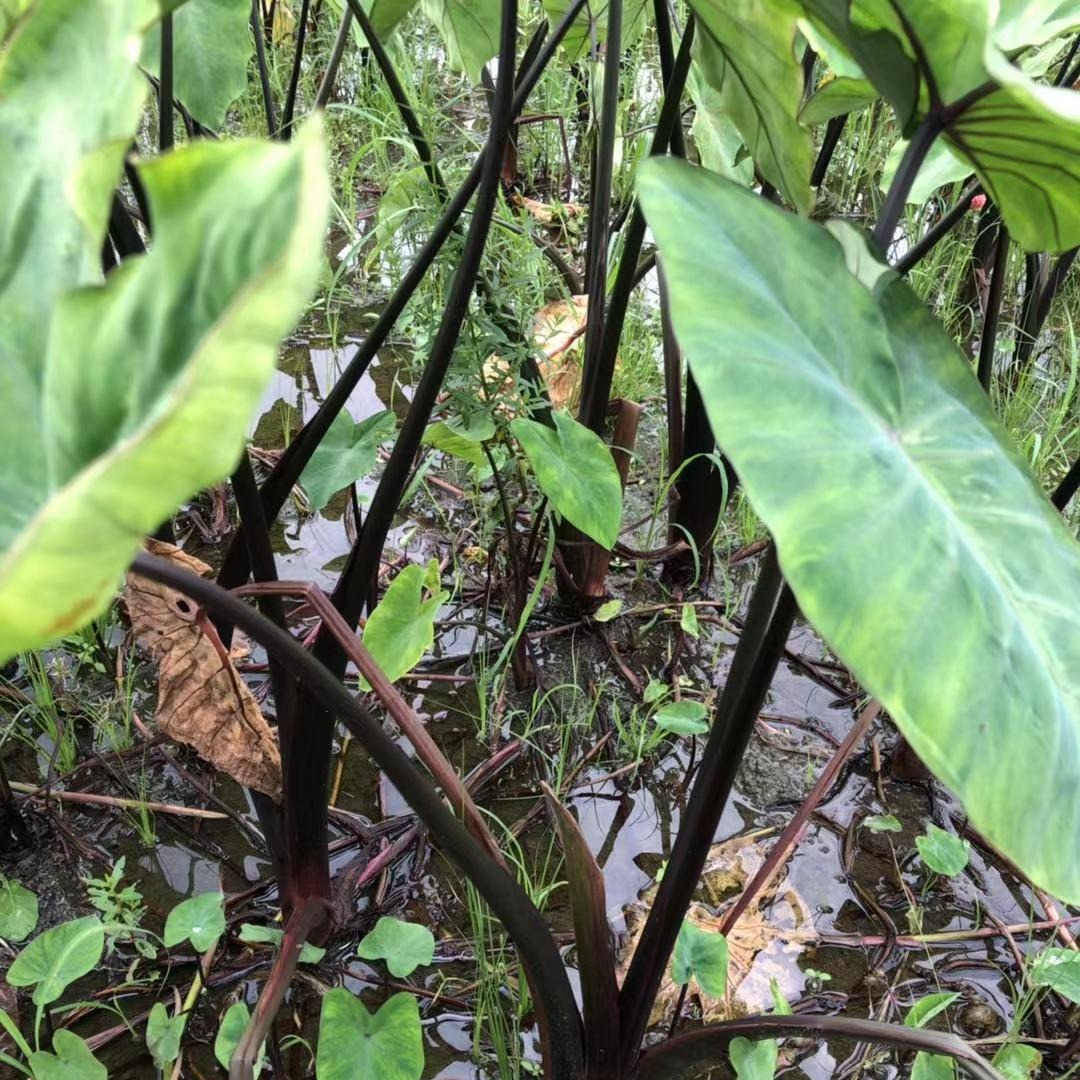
(978, 202)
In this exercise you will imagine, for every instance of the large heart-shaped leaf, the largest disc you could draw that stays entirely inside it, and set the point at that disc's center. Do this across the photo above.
(719, 143)
(470, 29)
(145, 390)
(856, 45)
(591, 25)
(70, 96)
(1031, 22)
(576, 472)
(346, 453)
(909, 527)
(387, 1045)
(1021, 138)
(1024, 143)
(72, 1060)
(211, 49)
(56, 958)
(746, 50)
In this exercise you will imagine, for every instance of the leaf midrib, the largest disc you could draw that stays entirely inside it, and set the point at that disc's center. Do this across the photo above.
(1045, 655)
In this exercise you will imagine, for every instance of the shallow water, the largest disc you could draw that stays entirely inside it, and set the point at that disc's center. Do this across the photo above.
(630, 818)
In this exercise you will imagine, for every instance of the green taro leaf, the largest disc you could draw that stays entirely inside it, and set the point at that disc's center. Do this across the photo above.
(1022, 139)
(754, 1060)
(1060, 970)
(1017, 1061)
(925, 1009)
(404, 946)
(211, 49)
(701, 955)
(56, 958)
(18, 910)
(346, 454)
(253, 934)
(1039, 126)
(747, 53)
(895, 499)
(406, 192)
(836, 97)
(476, 427)
(230, 1031)
(943, 852)
(444, 438)
(163, 1034)
(940, 167)
(470, 30)
(758, 1060)
(858, 47)
(682, 717)
(591, 25)
(401, 629)
(1031, 22)
(688, 620)
(607, 611)
(879, 823)
(70, 97)
(386, 1045)
(575, 470)
(72, 1060)
(384, 15)
(200, 920)
(932, 1067)
(720, 146)
(147, 386)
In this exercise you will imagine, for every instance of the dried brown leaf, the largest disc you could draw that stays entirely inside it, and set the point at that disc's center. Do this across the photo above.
(202, 701)
(764, 944)
(558, 333)
(547, 213)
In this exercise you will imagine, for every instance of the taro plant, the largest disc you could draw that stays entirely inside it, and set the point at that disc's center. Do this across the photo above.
(817, 382)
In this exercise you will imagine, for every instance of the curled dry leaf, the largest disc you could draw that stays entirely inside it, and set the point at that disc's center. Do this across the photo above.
(763, 945)
(202, 701)
(558, 333)
(547, 213)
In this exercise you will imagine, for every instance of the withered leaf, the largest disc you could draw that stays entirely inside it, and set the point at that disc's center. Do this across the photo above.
(547, 213)
(558, 332)
(202, 701)
(764, 944)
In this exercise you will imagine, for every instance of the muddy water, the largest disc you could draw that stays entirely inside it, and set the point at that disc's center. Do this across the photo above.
(851, 882)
